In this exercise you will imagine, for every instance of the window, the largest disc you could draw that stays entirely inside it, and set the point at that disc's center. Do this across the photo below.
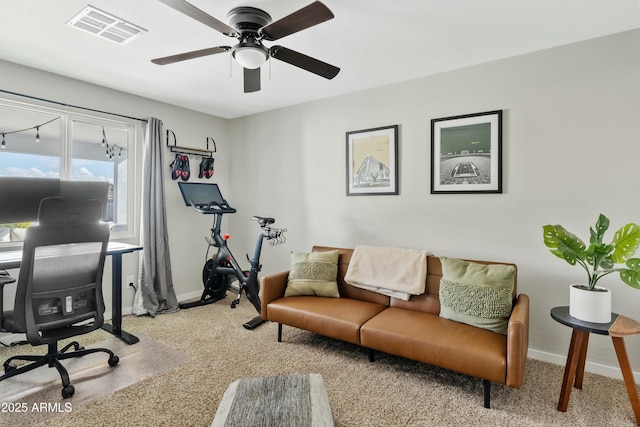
(100, 153)
(46, 143)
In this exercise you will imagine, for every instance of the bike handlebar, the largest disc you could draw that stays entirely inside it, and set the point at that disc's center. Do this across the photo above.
(215, 208)
(275, 236)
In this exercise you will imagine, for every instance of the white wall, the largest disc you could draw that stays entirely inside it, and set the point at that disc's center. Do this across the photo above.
(570, 152)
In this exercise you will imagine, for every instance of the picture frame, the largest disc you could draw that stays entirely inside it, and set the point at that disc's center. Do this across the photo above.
(372, 161)
(466, 153)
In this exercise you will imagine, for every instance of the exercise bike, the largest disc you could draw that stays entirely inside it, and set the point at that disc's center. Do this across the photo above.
(222, 268)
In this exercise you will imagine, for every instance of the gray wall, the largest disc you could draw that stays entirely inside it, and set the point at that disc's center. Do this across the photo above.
(570, 152)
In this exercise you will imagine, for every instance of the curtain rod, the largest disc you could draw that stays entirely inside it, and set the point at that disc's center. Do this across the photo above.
(73, 106)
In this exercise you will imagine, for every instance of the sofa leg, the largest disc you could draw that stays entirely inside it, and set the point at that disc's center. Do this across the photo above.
(279, 332)
(372, 355)
(487, 393)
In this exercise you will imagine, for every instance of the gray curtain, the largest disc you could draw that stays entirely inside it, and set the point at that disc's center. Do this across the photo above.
(156, 283)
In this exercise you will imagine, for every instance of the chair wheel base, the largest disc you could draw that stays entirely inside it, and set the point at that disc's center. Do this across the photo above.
(68, 391)
(113, 360)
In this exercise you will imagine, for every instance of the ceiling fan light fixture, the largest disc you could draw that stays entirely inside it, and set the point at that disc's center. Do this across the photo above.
(251, 26)
(250, 57)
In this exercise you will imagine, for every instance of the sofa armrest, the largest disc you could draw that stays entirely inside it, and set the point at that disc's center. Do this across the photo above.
(517, 341)
(271, 288)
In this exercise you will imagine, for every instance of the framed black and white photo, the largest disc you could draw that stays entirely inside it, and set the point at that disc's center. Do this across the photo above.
(372, 161)
(466, 153)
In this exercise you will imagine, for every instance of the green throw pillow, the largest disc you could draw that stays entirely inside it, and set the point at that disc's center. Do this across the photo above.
(477, 294)
(313, 274)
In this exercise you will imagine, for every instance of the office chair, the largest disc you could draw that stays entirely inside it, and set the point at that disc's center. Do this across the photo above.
(59, 287)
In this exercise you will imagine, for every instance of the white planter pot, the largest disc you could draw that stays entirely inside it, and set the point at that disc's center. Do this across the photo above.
(590, 306)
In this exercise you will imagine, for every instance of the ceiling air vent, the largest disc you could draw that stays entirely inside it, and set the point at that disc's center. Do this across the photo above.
(105, 25)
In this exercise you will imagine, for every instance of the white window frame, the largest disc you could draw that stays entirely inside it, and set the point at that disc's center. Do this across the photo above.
(134, 131)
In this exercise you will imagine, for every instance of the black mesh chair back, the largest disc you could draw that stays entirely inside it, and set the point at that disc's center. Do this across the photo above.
(60, 281)
(59, 288)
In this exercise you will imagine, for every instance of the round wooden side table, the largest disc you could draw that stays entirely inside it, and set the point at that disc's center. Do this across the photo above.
(617, 329)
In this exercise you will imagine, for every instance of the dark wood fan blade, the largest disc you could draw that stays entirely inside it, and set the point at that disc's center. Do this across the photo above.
(305, 62)
(200, 16)
(251, 80)
(308, 16)
(190, 55)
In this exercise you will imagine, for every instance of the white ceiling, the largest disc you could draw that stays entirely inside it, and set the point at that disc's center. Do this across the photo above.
(374, 42)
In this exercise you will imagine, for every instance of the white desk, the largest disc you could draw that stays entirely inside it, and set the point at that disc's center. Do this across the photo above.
(12, 259)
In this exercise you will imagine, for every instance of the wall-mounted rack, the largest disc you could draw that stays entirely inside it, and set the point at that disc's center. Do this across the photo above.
(175, 148)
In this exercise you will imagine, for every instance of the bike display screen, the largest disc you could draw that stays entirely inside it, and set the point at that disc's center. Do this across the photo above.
(199, 194)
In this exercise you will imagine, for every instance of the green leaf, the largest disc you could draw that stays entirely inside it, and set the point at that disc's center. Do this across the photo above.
(599, 250)
(601, 227)
(598, 255)
(607, 263)
(632, 276)
(564, 244)
(625, 242)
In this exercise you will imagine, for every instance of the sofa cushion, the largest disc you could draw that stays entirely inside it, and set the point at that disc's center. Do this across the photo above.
(431, 339)
(313, 273)
(477, 294)
(339, 318)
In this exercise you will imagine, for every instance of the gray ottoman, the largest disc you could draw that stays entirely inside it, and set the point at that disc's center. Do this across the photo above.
(282, 401)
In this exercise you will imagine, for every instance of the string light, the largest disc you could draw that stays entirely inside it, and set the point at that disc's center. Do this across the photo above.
(36, 127)
(110, 149)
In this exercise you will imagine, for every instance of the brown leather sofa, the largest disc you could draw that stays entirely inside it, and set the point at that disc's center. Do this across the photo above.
(412, 329)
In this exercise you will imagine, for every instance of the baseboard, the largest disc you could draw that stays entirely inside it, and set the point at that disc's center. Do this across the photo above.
(596, 368)
(128, 309)
(190, 295)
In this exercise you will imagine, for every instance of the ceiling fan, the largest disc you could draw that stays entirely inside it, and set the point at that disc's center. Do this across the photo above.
(251, 26)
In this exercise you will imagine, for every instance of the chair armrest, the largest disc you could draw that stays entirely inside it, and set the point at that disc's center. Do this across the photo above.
(517, 341)
(4, 280)
(271, 288)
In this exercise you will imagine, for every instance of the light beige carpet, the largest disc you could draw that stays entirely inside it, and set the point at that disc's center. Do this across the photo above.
(388, 392)
(35, 396)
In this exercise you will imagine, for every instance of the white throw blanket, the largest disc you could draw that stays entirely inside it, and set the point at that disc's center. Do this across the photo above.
(395, 272)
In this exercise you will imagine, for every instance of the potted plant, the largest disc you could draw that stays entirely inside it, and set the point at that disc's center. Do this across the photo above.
(598, 259)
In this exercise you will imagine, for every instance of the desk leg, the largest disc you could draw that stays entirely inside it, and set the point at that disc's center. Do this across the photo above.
(116, 304)
(575, 365)
(627, 374)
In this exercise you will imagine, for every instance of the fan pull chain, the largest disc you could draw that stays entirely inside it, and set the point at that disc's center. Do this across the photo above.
(269, 68)
(230, 66)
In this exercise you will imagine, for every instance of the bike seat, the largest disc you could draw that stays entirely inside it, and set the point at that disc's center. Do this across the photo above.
(263, 221)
